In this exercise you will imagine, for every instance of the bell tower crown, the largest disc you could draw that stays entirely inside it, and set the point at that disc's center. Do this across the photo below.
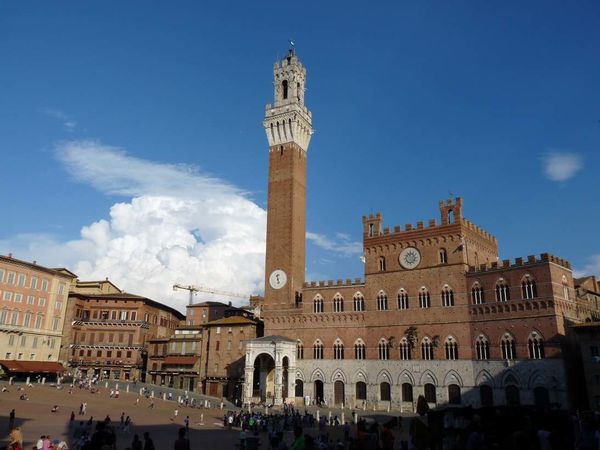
(288, 120)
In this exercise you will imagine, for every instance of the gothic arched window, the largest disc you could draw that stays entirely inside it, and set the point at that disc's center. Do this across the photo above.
(508, 347)
(402, 299)
(382, 301)
(359, 349)
(535, 345)
(318, 304)
(426, 349)
(338, 349)
(482, 348)
(405, 350)
(299, 350)
(338, 303)
(318, 350)
(384, 349)
(502, 291)
(451, 348)
(528, 288)
(477, 296)
(447, 296)
(424, 298)
(359, 302)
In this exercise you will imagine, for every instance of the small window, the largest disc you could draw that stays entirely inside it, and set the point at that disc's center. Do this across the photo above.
(284, 86)
(371, 229)
(299, 351)
(443, 256)
(381, 264)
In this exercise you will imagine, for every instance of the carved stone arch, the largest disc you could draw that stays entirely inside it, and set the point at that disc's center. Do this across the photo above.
(300, 375)
(537, 379)
(428, 377)
(406, 377)
(452, 377)
(360, 376)
(338, 375)
(263, 352)
(338, 340)
(484, 377)
(317, 374)
(510, 378)
(385, 376)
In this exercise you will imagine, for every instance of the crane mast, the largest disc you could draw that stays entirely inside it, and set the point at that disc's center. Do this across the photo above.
(193, 289)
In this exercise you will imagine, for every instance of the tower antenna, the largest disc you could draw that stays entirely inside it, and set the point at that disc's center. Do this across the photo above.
(292, 45)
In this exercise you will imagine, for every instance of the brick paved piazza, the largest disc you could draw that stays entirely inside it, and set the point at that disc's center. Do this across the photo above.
(35, 418)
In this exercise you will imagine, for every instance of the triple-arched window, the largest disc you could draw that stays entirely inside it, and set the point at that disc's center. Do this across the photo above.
(502, 291)
(424, 298)
(482, 348)
(318, 304)
(535, 345)
(383, 349)
(338, 349)
(338, 303)
(528, 288)
(359, 302)
(405, 350)
(447, 296)
(426, 349)
(451, 348)
(359, 349)
(402, 299)
(318, 349)
(477, 295)
(508, 347)
(382, 301)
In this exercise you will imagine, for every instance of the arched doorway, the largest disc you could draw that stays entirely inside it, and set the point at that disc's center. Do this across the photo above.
(338, 392)
(430, 395)
(299, 388)
(385, 392)
(541, 397)
(486, 395)
(407, 392)
(318, 391)
(264, 377)
(361, 390)
(513, 397)
(454, 394)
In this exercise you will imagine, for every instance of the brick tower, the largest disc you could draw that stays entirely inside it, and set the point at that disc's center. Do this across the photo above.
(288, 127)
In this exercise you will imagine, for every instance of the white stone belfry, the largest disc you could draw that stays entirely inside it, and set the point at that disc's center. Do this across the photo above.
(288, 120)
(276, 382)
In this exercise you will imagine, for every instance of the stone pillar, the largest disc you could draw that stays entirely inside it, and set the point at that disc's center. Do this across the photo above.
(278, 398)
(248, 383)
(291, 384)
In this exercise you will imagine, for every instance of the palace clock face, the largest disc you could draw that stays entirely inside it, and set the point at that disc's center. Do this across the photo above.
(410, 258)
(277, 279)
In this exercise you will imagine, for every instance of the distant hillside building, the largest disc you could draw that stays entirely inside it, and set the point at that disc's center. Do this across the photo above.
(437, 314)
(33, 302)
(107, 330)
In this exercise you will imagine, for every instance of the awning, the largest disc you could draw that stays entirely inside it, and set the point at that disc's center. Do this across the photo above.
(15, 366)
(181, 360)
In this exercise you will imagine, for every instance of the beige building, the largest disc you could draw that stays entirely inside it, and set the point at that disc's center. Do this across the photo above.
(33, 303)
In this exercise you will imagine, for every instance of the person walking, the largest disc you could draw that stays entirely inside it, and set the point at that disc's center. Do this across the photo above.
(148, 442)
(182, 443)
(11, 420)
(136, 444)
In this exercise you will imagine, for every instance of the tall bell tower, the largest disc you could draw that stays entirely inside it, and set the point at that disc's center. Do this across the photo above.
(288, 124)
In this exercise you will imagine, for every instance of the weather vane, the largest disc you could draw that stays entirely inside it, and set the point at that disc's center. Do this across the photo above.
(292, 45)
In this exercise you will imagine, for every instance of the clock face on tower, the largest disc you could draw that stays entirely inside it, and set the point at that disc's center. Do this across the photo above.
(410, 258)
(277, 279)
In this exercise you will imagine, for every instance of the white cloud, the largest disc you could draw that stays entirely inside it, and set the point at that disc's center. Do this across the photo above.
(68, 122)
(592, 267)
(341, 245)
(177, 226)
(561, 166)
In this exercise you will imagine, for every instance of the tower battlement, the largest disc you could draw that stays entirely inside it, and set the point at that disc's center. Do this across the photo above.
(520, 262)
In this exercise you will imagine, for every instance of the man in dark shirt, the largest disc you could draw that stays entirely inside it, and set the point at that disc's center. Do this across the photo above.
(181, 443)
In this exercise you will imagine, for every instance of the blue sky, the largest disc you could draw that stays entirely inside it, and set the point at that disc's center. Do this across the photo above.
(116, 116)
